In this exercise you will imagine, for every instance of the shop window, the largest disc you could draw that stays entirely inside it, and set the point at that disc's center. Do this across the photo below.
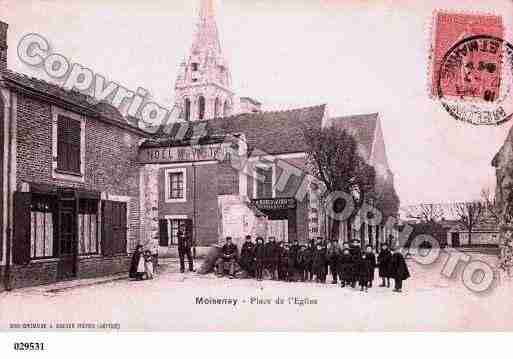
(68, 145)
(41, 227)
(88, 227)
(175, 185)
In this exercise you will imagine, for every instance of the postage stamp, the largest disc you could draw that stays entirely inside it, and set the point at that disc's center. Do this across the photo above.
(471, 67)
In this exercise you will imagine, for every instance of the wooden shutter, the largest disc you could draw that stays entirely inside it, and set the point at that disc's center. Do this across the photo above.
(68, 144)
(107, 232)
(122, 229)
(21, 244)
(163, 233)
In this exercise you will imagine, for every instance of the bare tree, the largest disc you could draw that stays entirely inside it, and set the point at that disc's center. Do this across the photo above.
(424, 212)
(468, 215)
(491, 207)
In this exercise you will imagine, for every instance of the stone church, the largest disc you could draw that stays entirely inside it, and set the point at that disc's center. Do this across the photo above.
(269, 191)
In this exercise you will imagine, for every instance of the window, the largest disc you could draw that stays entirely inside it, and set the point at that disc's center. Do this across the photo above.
(68, 145)
(201, 108)
(217, 107)
(176, 185)
(187, 109)
(174, 225)
(88, 226)
(264, 182)
(226, 109)
(41, 227)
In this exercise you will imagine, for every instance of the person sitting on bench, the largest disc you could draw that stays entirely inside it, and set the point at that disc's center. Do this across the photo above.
(228, 257)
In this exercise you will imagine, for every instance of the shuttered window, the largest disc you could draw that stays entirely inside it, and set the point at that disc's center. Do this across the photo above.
(88, 226)
(68, 145)
(264, 182)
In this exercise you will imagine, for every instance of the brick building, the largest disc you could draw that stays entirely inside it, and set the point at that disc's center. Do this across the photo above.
(70, 180)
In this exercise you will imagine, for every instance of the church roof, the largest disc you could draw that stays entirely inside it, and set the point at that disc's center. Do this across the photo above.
(277, 132)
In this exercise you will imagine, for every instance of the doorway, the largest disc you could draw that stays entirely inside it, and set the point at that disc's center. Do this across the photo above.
(67, 239)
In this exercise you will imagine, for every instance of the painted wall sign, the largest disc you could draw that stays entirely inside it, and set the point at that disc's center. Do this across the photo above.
(274, 203)
(210, 152)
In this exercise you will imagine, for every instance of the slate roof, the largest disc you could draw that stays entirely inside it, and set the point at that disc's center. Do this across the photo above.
(85, 103)
(362, 127)
(278, 132)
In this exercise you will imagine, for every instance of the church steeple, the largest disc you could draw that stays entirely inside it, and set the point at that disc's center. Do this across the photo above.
(203, 85)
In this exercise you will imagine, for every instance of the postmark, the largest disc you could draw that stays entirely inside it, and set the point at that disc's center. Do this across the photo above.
(451, 27)
(475, 79)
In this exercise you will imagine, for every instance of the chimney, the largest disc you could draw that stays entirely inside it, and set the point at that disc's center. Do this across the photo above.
(3, 46)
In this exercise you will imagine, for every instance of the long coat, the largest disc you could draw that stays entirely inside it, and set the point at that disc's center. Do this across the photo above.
(346, 267)
(371, 257)
(363, 269)
(319, 261)
(384, 258)
(134, 263)
(247, 255)
(259, 253)
(398, 267)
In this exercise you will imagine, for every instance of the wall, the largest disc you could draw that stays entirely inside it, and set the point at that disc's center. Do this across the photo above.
(110, 156)
(110, 167)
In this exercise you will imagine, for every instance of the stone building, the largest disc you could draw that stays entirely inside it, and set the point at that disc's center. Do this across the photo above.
(70, 183)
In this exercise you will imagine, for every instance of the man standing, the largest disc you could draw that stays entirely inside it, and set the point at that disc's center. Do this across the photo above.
(228, 256)
(247, 256)
(293, 260)
(371, 257)
(185, 248)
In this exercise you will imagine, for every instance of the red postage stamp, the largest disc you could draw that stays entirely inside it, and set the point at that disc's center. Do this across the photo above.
(477, 65)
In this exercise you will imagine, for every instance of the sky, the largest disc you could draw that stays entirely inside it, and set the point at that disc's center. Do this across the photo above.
(357, 56)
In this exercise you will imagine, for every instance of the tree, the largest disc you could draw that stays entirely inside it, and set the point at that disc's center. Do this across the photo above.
(334, 159)
(425, 212)
(468, 215)
(490, 205)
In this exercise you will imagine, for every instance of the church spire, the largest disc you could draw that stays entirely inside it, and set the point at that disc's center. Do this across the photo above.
(202, 88)
(207, 35)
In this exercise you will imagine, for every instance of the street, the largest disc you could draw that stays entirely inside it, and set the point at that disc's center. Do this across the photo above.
(192, 302)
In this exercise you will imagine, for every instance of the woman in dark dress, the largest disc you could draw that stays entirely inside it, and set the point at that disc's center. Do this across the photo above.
(399, 269)
(384, 258)
(136, 256)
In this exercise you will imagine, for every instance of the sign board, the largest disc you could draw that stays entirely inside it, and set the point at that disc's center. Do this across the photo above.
(271, 204)
(195, 153)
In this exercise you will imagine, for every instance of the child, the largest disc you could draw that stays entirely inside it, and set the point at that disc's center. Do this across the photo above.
(259, 258)
(319, 263)
(364, 272)
(345, 268)
(371, 257)
(141, 267)
(148, 264)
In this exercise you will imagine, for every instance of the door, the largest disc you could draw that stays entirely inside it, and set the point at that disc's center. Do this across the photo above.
(455, 239)
(67, 240)
(114, 228)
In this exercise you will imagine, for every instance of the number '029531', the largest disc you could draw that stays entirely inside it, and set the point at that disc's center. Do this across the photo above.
(28, 346)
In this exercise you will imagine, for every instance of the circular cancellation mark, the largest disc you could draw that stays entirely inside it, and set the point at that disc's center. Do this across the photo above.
(475, 79)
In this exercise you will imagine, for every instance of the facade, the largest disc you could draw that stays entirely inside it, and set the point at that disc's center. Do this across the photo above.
(70, 180)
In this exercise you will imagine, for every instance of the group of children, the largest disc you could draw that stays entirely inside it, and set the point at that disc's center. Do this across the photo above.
(141, 266)
(349, 265)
